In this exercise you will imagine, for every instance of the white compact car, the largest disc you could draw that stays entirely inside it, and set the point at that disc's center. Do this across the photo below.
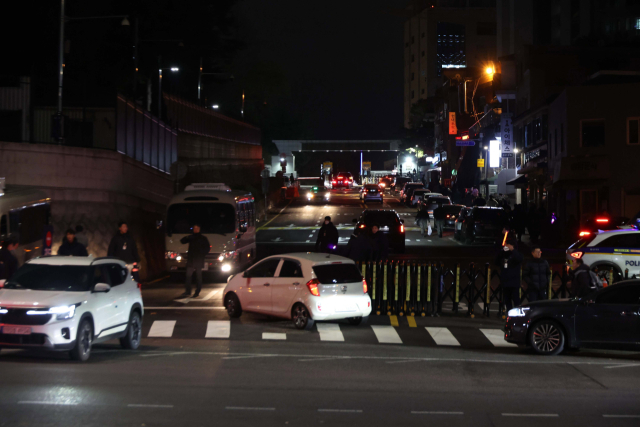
(69, 303)
(303, 287)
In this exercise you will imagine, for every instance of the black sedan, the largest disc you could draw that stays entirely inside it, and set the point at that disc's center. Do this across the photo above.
(389, 223)
(483, 223)
(608, 318)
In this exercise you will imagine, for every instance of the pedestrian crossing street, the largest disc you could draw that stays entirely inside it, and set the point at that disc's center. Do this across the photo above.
(333, 332)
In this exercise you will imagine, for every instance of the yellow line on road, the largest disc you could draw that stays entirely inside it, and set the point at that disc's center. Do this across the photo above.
(394, 321)
(412, 321)
(268, 222)
(157, 280)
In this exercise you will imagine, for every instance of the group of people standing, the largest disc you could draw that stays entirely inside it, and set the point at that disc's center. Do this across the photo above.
(370, 245)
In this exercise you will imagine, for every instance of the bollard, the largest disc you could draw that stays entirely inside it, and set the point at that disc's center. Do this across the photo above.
(419, 287)
(374, 282)
(408, 296)
(364, 270)
(429, 289)
(550, 283)
(487, 302)
(457, 295)
(395, 286)
(471, 300)
(384, 285)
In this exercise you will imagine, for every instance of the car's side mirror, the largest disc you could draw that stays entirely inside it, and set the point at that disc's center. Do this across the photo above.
(101, 287)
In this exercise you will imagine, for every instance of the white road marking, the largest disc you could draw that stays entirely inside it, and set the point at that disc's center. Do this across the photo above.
(330, 332)
(530, 415)
(386, 334)
(218, 329)
(620, 416)
(141, 405)
(245, 408)
(310, 235)
(273, 336)
(35, 402)
(496, 336)
(627, 365)
(162, 328)
(417, 240)
(442, 336)
(437, 413)
(351, 411)
(210, 295)
(185, 308)
(307, 241)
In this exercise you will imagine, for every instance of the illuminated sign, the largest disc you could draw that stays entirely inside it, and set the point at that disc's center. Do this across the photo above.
(494, 154)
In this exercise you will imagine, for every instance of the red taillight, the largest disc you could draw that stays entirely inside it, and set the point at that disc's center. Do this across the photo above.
(402, 228)
(350, 179)
(333, 182)
(576, 255)
(365, 288)
(584, 233)
(313, 287)
(602, 220)
(362, 226)
(139, 285)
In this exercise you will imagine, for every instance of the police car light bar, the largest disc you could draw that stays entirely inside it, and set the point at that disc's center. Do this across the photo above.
(602, 220)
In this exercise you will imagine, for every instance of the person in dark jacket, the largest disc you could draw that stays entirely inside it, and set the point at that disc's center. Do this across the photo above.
(536, 274)
(360, 247)
(123, 246)
(8, 261)
(70, 245)
(509, 260)
(439, 216)
(199, 247)
(327, 237)
(380, 244)
(81, 236)
(422, 221)
(580, 279)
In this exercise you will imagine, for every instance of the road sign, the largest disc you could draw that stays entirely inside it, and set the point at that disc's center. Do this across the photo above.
(480, 163)
(465, 143)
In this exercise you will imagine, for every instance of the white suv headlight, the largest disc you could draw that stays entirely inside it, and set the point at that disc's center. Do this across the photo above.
(518, 312)
(62, 312)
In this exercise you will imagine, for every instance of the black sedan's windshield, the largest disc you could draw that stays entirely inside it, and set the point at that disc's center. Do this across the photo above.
(39, 277)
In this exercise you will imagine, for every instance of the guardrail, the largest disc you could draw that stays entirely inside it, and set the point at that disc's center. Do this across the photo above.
(408, 288)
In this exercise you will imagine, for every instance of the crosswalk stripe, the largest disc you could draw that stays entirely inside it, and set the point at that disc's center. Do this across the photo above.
(394, 321)
(412, 322)
(329, 332)
(386, 334)
(442, 336)
(496, 336)
(273, 336)
(162, 328)
(218, 329)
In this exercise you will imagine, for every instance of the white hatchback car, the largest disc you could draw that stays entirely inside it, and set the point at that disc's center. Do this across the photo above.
(69, 303)
(303, 287)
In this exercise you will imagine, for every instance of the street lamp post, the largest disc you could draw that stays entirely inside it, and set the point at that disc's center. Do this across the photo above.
(173, 69)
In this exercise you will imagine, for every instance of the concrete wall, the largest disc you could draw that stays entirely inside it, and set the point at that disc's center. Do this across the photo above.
(96, 189)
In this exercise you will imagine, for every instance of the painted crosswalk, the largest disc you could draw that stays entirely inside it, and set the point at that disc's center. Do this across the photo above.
(334, 332)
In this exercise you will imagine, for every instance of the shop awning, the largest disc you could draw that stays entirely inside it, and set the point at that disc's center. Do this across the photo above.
(519, 180)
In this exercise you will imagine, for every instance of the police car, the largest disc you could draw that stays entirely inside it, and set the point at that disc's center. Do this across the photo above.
(606, 251)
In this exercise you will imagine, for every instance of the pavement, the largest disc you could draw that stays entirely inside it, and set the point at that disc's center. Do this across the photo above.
(197, 367)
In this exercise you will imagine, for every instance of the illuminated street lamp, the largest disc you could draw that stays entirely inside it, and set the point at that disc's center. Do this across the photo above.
(172, 69)
(215, 106)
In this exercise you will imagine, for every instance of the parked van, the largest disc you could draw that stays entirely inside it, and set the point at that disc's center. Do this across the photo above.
(228, 220)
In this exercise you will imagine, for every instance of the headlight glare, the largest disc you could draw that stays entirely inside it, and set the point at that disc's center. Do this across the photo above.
(518, 312)
(62, 312)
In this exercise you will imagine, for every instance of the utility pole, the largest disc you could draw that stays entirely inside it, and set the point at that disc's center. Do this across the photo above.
(58, 123)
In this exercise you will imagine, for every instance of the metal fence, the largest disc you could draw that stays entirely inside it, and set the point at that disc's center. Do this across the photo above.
(407, 288)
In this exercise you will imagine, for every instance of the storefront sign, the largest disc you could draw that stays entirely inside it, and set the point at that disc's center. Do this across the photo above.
(506, 134)
(494, 153)
(480, 163)
(453, 129)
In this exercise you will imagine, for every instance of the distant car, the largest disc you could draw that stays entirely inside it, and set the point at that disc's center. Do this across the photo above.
(451, 214)
(313, 190)
(431, 202)
(343, 180)
(303, 287)
(399, 182)
(483, 223)
(418, 196)
(607, 318)
(63, 303)
(389, 223)
(407, 190)
(462, 217)
(385, 183)
(371, 192)
(616, 250)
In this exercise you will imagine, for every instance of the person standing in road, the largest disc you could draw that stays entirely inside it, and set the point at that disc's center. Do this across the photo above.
(199, 247)
(536, 274)
(8, 261)
(580, 279)
(510, 261)
(422, 221)
(123, 247)
(380, 244)
(327, 237)
(359, 247)
(70, 245)
(438, 218)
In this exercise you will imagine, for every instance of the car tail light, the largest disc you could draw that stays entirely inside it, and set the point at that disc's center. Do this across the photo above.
(402, 228)
(602, 220)
(350, 179)
(584, 233)
(333, 182)
(576, 255)
(362, 226)
(365, 288)
(313, 287)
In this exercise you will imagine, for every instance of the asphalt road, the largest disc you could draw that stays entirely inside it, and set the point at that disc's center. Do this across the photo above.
(197, 368)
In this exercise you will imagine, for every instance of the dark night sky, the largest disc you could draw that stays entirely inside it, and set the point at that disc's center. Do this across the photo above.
(344, 60)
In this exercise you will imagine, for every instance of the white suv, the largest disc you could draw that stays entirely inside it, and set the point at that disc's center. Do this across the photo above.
(69, 303)
(616, 250)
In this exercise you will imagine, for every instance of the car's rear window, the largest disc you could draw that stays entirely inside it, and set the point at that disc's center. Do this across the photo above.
(382, 218)
(490, 214)
(436, 200)
(337, 273)
(452, 209)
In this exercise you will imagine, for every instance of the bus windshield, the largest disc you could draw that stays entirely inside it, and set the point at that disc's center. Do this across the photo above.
(213, 218)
